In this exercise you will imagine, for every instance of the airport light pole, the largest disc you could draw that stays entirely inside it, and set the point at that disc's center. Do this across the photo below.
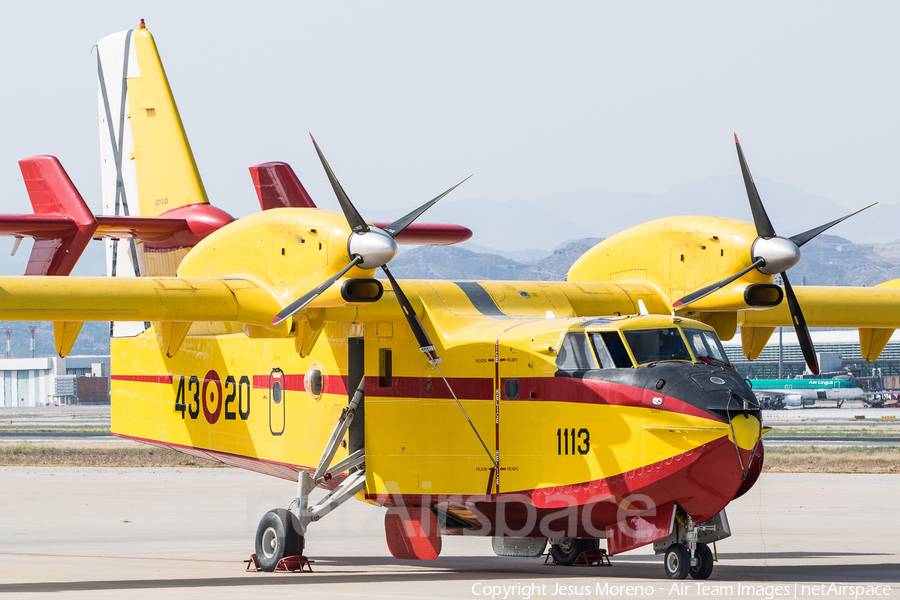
(780, 350)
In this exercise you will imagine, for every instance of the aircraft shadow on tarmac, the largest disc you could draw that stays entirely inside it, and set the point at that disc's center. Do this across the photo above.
(463, 569)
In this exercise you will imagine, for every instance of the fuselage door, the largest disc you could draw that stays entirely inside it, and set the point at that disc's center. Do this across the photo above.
(276, 402)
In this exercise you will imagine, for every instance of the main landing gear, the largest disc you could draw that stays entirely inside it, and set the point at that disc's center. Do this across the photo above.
(278, 536)
(281, 533)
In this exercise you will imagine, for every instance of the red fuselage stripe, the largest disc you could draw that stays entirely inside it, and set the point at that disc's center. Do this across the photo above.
(166, 379)
(534, 389)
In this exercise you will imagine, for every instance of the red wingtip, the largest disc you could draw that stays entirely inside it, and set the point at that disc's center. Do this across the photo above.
(735, 139)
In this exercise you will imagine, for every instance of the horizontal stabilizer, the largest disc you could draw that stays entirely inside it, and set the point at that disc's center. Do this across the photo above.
(181, 227)
(430, 234)
(277, 186)
(62, 224)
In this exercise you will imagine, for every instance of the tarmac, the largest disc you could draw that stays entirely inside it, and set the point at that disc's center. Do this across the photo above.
(183, 533)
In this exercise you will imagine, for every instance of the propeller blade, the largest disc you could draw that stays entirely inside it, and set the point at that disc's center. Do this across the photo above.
(412, 318)
(802, 238)
(357, 223)
(764, 227)
(806, 345)
(397, 227)
(311, 295)
(701, 293)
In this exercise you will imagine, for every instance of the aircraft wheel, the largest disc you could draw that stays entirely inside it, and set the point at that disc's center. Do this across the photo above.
(566, 550)
(704, 566)
(677, 561)
(277, 535)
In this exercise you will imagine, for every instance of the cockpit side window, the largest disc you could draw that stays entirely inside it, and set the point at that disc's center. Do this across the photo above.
(654, 345)
(617, 353)
(705, 343)
(575, 354)
(606, 361)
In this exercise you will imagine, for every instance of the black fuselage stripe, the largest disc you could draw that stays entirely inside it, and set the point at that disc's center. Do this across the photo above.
(480, 299)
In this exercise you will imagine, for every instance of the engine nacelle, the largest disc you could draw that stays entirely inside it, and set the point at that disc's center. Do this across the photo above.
(680, 255)
(798, 401)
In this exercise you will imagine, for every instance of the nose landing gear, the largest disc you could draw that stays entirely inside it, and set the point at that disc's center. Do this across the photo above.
(679, 563)
(685, 553)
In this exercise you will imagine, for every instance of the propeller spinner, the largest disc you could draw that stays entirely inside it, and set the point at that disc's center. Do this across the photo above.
(772, 254)
(371, 247)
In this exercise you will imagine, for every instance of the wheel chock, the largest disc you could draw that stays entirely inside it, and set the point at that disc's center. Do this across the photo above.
(589, 558)
(288, 564)
(293, 564)
(252, 565)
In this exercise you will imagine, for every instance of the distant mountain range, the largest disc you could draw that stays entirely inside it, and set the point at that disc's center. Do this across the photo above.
(526, 231)
(92, 340)
(527, 240)
(827, 260)
(541, 224)
(457, 263)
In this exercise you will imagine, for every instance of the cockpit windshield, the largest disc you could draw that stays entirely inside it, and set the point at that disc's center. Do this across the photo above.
(654, 345)
(706, 344)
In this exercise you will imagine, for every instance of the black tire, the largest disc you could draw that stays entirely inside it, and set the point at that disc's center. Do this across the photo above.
(677, 561)
(570, 549)
(277, 535)
(704, 566)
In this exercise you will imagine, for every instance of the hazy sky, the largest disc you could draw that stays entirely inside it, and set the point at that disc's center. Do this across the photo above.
(408, 98)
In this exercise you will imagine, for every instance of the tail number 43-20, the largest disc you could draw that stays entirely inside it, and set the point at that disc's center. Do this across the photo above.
(568, 442)
(192, 396)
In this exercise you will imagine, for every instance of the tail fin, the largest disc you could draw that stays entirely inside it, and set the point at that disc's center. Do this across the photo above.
(142, 136)
(147, 166)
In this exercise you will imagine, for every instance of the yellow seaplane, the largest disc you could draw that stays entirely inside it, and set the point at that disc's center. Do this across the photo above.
(535, 413)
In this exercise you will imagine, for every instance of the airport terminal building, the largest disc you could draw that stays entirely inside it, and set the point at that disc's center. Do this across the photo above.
(54, 380)
(838, 351)
(85, 379)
